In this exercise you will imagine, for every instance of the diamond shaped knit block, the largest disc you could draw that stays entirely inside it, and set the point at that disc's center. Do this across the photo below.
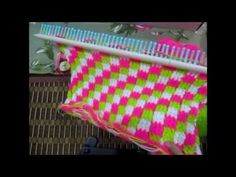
(145, 103)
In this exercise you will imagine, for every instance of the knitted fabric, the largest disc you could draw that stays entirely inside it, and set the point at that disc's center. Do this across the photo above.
(141, 102)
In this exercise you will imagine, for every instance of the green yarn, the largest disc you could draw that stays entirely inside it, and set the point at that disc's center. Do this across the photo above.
(170, 89)
(155, 137)
(91, 94)
(63, 47)
(181, 127)
(175, 105)
(102, 105)
(199, 82)
(118, 92)
(147, 114)
(156, 93)
(73, 66)
(92, 71)
(184, 85)
(152, 77)
(202, 122)
(86, 77)
(121, 110)
(85, 99)
(74, 89)
(105, 59)
(129, 87)
(189, 149)
(80, 84)
(124, 71)
(144, 97)
(81, 54)
(140, 82)
(197, 140)
(112, 118)
(99, 65)
(134, 65)
(191, 119)
(134, 122)
(168, 134)
(115, 76)
(166, 73)
(77, 62)
(106, 82)
(132, 102)
(98, 88)
(161, 108)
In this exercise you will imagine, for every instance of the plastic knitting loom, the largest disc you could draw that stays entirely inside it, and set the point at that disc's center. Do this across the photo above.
(144, 92)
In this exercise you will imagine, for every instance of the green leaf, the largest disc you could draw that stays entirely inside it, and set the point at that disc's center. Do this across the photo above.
(50, 53)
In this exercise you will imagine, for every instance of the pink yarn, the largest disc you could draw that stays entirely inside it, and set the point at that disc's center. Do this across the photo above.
(77, 48)
(106, 116)
(194, 111)
(202, 76)
(124, 63)
(96, 104)
(135, 95)
(90, 63)
(142, 134)
(201, 105)
(103, 97)
(74, 82)
(147, 91)
(131, 79)
(111, 90)
(156, 128)
(173, 83)
(126, 119)
(116, 125)
(154, 70)
(96, 56)
(188, 96)
(163, 101)
(114, 108)
(106, 73)
(123, 100)
(84, 69)
(79, 76)
(203, 90)
(121, 84)
(142, 74)
(114, 68)
(150, 106)
(78, 98)
(188, 78)
(182, 116)
(98, 80)
(85, 92)
(137, 112)
(71, 59)
(159, 87)
(180, 45)
(190, 139)
(91, 86)
(176, 98)
(170, 121)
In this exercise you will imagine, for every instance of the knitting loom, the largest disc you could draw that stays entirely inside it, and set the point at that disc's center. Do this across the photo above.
(145, 92)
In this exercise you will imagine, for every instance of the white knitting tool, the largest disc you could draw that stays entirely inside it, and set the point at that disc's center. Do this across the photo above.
(126, 47)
